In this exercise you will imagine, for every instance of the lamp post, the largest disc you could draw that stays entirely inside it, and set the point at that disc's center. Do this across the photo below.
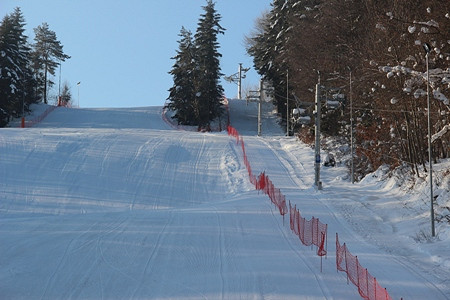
(427, 51)
(59, 85)
(351, 129)
(287, 102)
(78, 85)
(22, 122)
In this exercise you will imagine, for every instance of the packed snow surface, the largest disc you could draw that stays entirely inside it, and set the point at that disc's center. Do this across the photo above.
(116, 204)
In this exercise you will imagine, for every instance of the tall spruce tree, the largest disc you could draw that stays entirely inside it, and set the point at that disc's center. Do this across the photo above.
(9, 77)
(182, 95)
(210, 92)
(16, 80)
(269, 47)
(48, 54)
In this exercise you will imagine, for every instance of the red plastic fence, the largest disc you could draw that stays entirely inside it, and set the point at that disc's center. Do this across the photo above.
(262, 182)
(265, 184)
(39, 118)
(312, 232)
(367, 285)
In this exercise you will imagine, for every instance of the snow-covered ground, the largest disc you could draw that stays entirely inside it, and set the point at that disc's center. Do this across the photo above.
(116, 204)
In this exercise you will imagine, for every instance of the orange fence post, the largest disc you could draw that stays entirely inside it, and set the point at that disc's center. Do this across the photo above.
(22, 124)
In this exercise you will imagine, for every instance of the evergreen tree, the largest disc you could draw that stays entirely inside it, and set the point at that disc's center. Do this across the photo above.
(9, 77)
(209, 93)
(182, 97)
(66, 95)
(16, 80)
(48, 54)
(269, 47)
(28, 83)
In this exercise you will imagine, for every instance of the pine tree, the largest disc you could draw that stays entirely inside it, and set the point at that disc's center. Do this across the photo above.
(9, 77)
(28, 83)
(16, 80)
(210, 92)
(48, 54)
(182, 95)
(66, 95)
(269, 47)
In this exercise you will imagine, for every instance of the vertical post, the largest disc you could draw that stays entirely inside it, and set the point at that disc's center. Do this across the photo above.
(357, 272)
(317, 140)
(287, 102)
(375, 287)
(367, 283)
(320, 264)
(338, 250)
(78, 85)
(351, 129)
(433, 233)
(59, 85)
(22, 124)
(261, 90)
(240, 81)
(346, 262)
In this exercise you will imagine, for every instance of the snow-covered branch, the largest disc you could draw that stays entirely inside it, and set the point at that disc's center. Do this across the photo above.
(441, 133)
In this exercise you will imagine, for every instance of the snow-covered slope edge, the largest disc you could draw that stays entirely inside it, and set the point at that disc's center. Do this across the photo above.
(382, 209)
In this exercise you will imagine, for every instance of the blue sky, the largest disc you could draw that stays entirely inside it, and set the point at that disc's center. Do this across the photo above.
(120, 50)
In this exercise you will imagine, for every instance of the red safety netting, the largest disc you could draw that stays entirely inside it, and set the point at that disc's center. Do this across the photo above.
(367, 285)
(310, 232)
(262, 182)
(38, 119)
(313, 232)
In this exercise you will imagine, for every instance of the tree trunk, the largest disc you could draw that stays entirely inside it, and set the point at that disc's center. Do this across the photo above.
(411, 152)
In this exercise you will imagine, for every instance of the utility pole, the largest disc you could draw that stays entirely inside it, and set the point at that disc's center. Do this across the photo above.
(237, 78)
(256, 96)
(430, 157)
(59, 85)
(240, 81)
(317, 113)
(78, 85)
(22, 122)
(261, 90)
(351, 130)
(287, 102)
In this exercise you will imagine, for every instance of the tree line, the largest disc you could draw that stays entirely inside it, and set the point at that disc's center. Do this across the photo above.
(196, 95)
(369, 51)
(25, 67)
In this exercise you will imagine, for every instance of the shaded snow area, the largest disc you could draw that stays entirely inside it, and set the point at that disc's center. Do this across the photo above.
(117, 204)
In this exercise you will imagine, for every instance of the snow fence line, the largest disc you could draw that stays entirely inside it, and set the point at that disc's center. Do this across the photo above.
(367, 285)
(30, 123)
(313, 232)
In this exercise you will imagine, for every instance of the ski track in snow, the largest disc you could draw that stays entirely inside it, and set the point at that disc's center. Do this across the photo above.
(114, 203)
(151, 257)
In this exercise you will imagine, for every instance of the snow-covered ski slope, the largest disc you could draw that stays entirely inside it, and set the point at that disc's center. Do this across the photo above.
(116, 204)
